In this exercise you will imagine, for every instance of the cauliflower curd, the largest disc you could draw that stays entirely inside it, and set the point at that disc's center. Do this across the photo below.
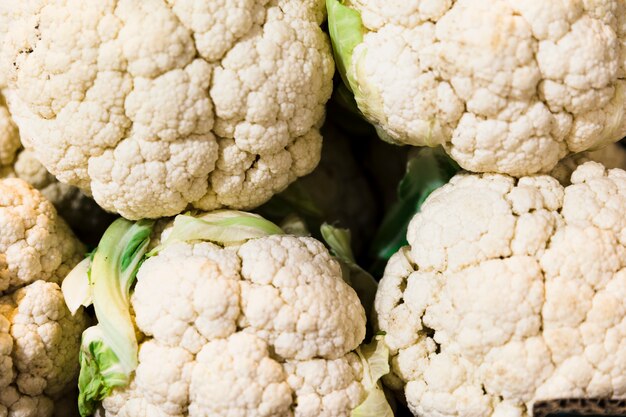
(510, 291)
(39, 338)
(83, 215)
(263, 326)
(505, 86)
(159, 105)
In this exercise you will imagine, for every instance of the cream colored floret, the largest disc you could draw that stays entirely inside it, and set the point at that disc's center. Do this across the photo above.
(264, 329)
(505, 86)
(510, 291)
(161, 105)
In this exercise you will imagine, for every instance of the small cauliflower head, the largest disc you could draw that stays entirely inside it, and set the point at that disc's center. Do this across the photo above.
(39, 344)
(267, 328)
(505, 86)
(161, 105)
(511, 291)
(35, 243)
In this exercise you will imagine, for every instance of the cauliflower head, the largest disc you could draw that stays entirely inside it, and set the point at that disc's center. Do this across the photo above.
(160, 105)
(505, 86)
(39, 344)
(510, 291)
(35, 243)
(263, 326)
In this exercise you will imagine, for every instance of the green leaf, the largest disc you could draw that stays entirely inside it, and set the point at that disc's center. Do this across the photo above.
(114, 268)
(375, 360)
(76, 287)
(346, 32)
(339, 241)
(428, 170)
(225, 227)
(100, 371)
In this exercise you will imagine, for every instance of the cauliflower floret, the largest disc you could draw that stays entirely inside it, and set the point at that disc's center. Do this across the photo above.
(9, 139)
(35, 244)
(262, 329)
(505, 86)
(83, 215)
(39, 344)
(165, 104)
(510, 291)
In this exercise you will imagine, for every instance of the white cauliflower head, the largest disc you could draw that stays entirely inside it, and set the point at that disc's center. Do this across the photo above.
(505, 86)
(39, 344)
(35, 243)
(262, 328)
(160, 105)
(39, 338)
(510, 291)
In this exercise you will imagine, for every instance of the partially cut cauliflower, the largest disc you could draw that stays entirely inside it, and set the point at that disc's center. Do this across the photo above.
(39, 338)
(505, 86)
(160, 105)
(264, 326)
(510, 291)
(83, 215)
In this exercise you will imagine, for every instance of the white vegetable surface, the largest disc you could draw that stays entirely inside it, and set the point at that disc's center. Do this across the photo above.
(263, 326)
(509, 292)
(35, 243)
(39, 343)
(154, 106)
(83, 215)
(39, 338)
(505, 86)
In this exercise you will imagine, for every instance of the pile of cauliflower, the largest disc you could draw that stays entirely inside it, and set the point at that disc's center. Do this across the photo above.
(185, 233)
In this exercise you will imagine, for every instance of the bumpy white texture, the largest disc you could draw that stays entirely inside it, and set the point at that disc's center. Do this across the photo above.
(80, 211)
(509, 292)
(35, 243)
(612, 156)
(263, 329)
(9, 140)
(505, 86)
(155, 106)
(39, 343)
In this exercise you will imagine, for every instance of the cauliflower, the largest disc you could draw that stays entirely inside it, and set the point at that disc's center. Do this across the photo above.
(35, 244)
(161, 105)
(9, 140)
(612, 156)
(83, 215)
(39, 339)
(39, 344)
(510, 291)
(505, 86)
(228, 317)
